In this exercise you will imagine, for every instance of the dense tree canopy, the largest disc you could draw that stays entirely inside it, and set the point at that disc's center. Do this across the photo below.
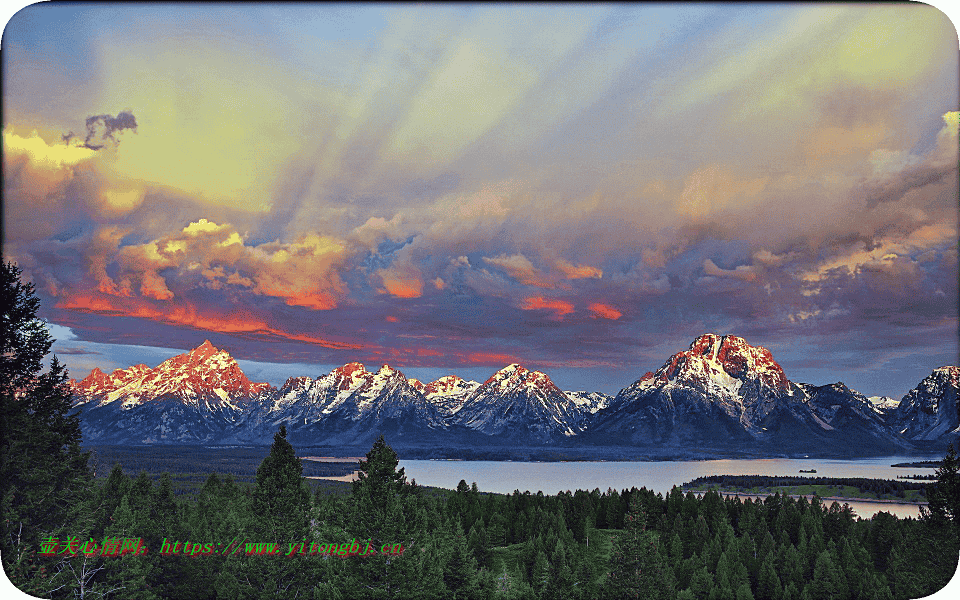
(44, 483)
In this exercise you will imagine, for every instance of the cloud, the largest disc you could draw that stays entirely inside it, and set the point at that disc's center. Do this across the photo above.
(102, 128)
(202, 226)
(743, 272)
(42, 154)
(572, 271)
(236, 322)
(895, 172)
(401, 281)
(520, 268)
(320, 186)
(560, 308)
(604, 311)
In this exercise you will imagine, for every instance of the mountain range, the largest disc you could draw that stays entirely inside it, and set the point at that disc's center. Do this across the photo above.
(721, 395)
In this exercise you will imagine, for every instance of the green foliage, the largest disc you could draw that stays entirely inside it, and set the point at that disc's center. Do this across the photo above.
(281, 500)
(945, 494)
(638, 569)
(45, 487)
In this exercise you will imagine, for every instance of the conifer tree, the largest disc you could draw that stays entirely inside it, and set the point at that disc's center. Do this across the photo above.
(638, 569)
(768, 582)
(944, 495)
(827, 581)
(460, 570)
(45, 485)
(280, 500)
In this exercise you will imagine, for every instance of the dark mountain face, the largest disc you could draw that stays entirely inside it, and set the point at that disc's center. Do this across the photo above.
(524, 405)
(351, 406)
(931, 411)
(196, 397)
(721, 394)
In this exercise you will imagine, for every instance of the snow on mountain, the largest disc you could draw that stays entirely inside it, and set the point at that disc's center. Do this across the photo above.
(724, 372)
(883, 403)
(449, 393)
(723, 392)
(591, 402)
(198, 396)
(348, 402)
(521, 403)
(204, 375)
(931, 410)
(97, 385)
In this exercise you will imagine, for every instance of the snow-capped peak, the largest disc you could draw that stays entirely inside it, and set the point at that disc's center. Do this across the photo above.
(204, 374)
(518, 399)
(721, 364)
(883, 402)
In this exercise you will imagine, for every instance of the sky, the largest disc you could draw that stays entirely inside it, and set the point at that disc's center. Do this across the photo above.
(579, 188)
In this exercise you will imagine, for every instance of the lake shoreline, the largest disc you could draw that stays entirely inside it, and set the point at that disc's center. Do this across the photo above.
(825, 499)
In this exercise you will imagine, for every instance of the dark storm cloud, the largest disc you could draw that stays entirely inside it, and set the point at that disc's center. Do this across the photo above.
(102, 127)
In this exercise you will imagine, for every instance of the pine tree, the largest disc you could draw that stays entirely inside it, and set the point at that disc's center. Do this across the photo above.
(45, 484)
(377, 492)
(460, 568)
(638, 569)
(132, 572)
(280, 499)
(280, 506)
(541, 573)
(768, 582)
(701, 583)
(944, 495)
(828, 582)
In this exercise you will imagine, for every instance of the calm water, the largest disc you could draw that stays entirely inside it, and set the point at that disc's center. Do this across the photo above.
(554, 477)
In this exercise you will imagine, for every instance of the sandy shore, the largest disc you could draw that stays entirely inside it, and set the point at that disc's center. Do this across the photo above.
(333, 458)
(347, 478)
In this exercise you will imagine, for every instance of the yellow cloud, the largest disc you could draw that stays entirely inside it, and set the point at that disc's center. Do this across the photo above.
(216, 118)
(51, 156)
(202, 226)
(714, 189)
(572, 271)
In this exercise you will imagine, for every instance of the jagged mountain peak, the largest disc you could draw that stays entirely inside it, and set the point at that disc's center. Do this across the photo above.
(205, 374)
(521, 402)
(722, 363)
(443, 385)
(947, 373)
(932, 409)
(514, 376)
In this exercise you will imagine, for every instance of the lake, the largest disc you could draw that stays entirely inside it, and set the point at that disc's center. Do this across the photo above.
(554, 477)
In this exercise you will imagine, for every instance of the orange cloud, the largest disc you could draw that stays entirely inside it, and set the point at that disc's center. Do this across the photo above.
(238, 321)
(491, 358)
(572, 271)
(604, 311)
(559, 307)
(401, 280)
(402, 287)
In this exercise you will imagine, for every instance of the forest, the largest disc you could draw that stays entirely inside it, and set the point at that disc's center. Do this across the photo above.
(467, 544)
(878, 488)
(67, 534)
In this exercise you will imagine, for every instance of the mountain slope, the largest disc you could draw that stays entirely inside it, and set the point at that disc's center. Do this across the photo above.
(198, 396)
(521, 404)
(723, 393)
(931, 411)
(349, 405)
